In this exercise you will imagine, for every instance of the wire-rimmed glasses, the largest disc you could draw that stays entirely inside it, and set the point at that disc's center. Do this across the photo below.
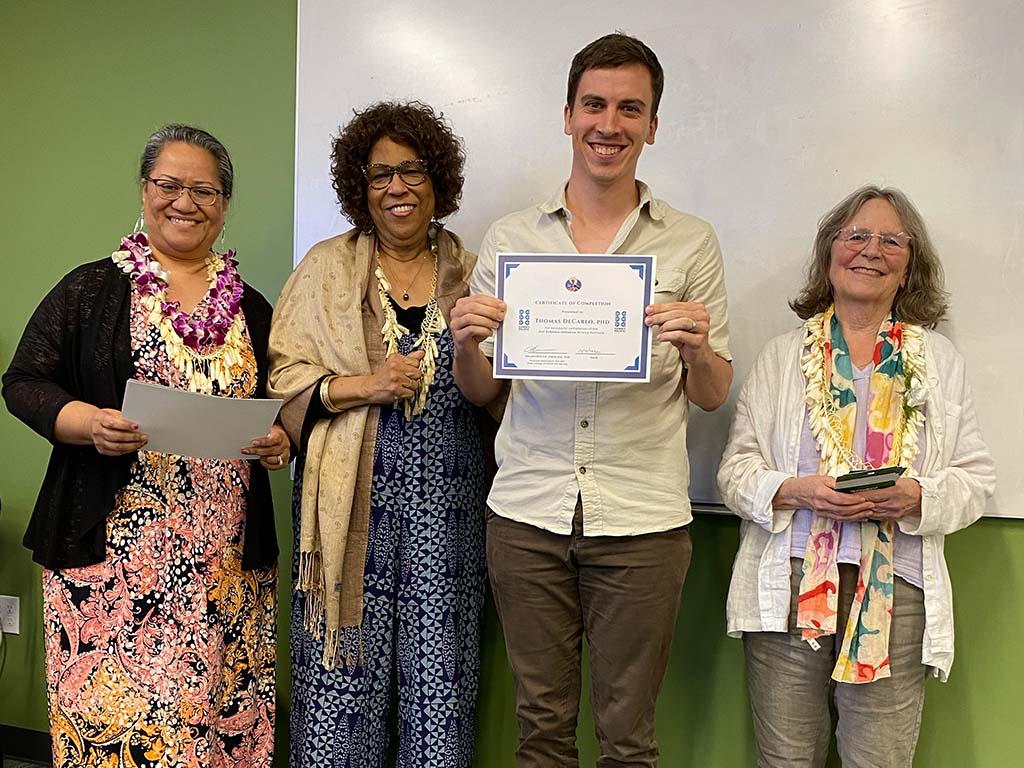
(172, 190)
(857, 239)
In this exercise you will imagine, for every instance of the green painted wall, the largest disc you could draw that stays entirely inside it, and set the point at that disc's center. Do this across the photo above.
(82, 85)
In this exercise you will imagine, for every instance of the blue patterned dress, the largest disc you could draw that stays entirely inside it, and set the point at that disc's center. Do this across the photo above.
(423, 592)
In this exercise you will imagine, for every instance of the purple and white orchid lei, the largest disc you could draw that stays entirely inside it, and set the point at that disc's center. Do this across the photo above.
(215, 326)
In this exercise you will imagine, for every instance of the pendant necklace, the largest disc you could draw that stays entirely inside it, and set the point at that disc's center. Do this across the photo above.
(405, 293)
(430, 331)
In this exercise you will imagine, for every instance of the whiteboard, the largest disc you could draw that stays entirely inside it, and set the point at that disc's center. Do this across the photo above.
(771, 114)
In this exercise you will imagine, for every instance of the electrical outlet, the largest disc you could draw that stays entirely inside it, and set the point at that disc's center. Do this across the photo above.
(10, 612)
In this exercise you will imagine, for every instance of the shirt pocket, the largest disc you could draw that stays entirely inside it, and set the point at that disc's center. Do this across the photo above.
(669, 285)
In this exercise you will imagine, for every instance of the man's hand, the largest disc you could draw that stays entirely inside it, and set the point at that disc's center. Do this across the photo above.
(685, 325)
(475, 318)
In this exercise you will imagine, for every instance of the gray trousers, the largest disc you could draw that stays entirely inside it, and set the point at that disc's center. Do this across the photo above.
(792, 696)
(622, 593)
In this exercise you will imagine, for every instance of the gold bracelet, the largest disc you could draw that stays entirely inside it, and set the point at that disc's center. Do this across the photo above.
(325, 395)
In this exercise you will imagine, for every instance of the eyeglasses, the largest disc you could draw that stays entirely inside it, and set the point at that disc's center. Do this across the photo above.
(411, 172)
(857, 239)
(171, 190)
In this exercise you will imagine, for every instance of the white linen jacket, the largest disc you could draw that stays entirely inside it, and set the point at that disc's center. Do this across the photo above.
(764, 449)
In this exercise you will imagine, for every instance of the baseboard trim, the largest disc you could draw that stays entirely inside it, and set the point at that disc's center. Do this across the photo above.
(25, 744)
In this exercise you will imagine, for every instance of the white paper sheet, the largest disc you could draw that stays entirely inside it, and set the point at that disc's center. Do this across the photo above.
(192, 424)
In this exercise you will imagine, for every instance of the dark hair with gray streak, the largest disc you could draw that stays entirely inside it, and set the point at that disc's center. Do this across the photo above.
(922, 301)
(196, 137)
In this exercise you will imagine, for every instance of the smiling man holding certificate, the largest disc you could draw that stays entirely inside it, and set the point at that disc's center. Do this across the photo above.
(587, 532)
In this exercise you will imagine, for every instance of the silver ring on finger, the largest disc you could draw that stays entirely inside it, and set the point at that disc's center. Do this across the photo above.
(693, 325)
(280, 460)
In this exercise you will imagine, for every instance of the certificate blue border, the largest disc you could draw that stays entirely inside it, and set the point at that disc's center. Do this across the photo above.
(506, 262)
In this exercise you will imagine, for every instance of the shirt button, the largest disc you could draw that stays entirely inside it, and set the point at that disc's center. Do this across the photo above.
(584, 423)
(583, 470)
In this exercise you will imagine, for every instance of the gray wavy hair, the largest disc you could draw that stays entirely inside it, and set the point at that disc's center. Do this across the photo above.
(923, 300)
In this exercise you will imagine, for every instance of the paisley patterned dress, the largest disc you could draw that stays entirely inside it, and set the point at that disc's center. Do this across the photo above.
(423, 593)
(163, 654)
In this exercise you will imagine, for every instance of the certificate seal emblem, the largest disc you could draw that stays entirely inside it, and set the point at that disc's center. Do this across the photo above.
(573, 284)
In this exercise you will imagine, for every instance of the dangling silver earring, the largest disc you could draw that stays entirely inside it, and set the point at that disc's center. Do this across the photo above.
(433, 229)
(220, 240)
(140, 223)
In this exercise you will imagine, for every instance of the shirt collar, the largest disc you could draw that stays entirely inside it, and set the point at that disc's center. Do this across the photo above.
(655, 208)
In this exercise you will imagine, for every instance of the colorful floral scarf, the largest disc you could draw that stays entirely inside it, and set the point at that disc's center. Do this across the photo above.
(892, 428)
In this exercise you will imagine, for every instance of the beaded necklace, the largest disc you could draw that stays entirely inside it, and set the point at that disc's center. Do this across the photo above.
(216, 324)
(431, 329)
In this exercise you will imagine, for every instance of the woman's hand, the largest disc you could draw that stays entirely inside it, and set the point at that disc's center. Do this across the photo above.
(897, 501)
(396, 380)
(274, 450)
(113, 435)
(818, 494)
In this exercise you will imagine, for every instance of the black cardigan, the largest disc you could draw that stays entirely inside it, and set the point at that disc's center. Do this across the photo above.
(77, 346)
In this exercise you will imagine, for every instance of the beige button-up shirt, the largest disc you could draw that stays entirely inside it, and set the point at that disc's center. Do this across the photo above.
(621, 446)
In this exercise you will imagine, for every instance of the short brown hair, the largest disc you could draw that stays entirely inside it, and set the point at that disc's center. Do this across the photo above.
(413, 124)
(922, 301)
(616, 50)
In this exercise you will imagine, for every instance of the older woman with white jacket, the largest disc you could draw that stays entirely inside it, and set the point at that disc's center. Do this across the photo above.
(846, 595)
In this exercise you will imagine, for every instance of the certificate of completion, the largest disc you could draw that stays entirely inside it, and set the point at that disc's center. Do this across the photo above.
(574, 316)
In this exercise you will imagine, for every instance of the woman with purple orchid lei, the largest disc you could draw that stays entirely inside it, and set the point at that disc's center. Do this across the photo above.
(159, 570)
(216, 325)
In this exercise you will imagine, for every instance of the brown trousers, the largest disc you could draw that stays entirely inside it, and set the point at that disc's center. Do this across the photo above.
(622, 594)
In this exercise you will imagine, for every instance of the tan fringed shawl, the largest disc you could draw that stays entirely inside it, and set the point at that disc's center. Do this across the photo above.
(328, 320)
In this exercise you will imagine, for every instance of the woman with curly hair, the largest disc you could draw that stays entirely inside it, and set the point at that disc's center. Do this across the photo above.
(389, 495)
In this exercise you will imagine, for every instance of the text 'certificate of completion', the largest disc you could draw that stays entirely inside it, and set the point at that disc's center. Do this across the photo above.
(574, 316)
